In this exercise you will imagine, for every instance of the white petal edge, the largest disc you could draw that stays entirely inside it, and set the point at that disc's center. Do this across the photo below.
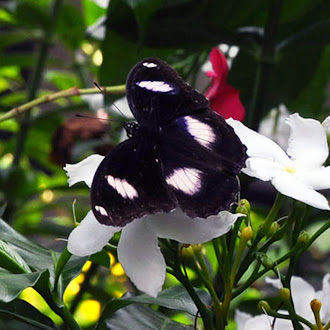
(326, 125)
(258, 145)
(241, 318)
(288, 185)
(318, 178)
(83, 171)
(262, 169)
(178, 226)
(308, 145)
(324, 296)
(90, 236)
(141, 258)
(102, 3)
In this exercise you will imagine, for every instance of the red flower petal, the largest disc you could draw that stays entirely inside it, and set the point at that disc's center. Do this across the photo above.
(224, 99)
(228, 104)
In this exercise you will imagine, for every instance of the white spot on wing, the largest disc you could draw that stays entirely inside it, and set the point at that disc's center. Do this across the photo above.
(101, 210)
(122, 187)
(187, 180)
(155, 86)
(201, 132)
(149, 64)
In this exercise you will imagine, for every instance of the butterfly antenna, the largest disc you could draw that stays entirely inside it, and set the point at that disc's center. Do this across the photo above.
(102, 90)
(90, 117)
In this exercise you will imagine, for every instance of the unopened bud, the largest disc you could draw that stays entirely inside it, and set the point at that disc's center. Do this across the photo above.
(243, 207)
(316, 305)
(247, 233)
(284, 294)
(273, 229)
(303, 238)
(263, 306)
(266, 261)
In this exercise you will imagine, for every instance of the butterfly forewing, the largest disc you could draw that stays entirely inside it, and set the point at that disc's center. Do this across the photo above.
(157, 94)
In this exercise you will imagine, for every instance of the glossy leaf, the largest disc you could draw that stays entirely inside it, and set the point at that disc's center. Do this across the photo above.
(11, 285)
(24, 312)
(140, 318)
(175, 298)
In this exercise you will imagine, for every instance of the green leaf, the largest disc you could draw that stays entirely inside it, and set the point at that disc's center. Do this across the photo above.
(175, 298)
(101, 258)
(143, 11)
(34, 255)
(11, 260)
(141, 318)
(11, 285)
(22, 311)
(70, 26)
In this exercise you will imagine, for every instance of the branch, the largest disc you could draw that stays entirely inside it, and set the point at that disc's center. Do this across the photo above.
(74, 91)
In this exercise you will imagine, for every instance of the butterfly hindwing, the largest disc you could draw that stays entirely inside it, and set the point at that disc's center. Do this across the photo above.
(128, 185)
(200, 173)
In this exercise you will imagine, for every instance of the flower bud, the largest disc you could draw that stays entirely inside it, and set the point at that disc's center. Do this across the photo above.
(316, 305)
(273, 229)
(247, 233)
(243, 207)
(263, 306)
(303, 238)
(266, 261)
(326, 126)
(284, 294)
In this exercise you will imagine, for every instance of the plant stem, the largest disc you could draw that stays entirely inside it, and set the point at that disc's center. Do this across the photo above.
(62, 261)
(216, 302)
(262, 231)
(74, 91)
(264, 67)
(36, 79)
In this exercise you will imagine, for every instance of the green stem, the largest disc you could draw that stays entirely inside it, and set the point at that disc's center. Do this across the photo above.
(36, 79)
(59, 308)
(288, 317)
(252, 279)
(264, 67)
(74, 91)
(62, 261)
(210, 287)
(262, 231)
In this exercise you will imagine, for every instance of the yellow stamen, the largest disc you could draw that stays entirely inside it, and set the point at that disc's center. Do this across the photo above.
(290, 170)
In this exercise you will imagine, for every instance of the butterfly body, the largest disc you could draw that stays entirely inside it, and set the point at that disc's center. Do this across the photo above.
(179, 153)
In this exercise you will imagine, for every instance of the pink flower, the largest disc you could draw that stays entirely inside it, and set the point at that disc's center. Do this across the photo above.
(224, 99)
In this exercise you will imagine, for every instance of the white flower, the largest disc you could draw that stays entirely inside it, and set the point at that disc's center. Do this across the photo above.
(299, 172)
(302, 294)
(274, 126)
(138, 250)
(326, 125)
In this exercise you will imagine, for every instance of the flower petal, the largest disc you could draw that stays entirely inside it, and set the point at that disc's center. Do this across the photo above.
(84, 170)
(140, 256)
(258, 145)
(262, 169)
(178, 226)
(220, 68)
(324, 297)
(228, 104)
(90, 236)
(302, 294)
(318, 179)
(287, 184)
(308, 145)
(241, 318)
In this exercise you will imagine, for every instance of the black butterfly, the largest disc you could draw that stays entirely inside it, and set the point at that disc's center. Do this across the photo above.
(180, 153)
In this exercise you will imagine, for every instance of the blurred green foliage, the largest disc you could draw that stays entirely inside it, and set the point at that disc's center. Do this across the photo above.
(51, 45)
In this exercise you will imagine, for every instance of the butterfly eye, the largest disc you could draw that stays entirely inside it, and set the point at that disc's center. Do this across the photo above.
(155, 86)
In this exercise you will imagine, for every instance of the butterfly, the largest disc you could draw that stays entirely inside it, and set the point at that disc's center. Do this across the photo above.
(179, 153)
